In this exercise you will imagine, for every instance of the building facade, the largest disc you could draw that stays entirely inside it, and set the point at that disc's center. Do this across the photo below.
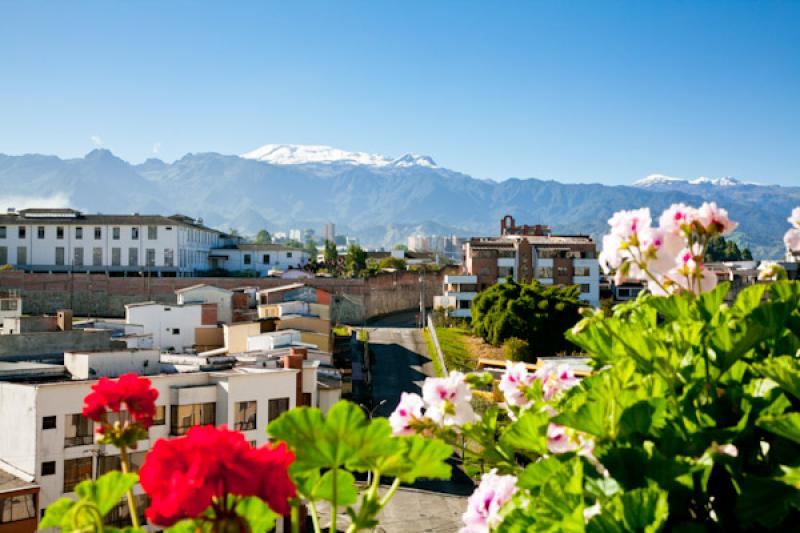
(260, 259)
(66, 240)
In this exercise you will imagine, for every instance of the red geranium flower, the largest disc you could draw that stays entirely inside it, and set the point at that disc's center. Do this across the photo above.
(186, 475)
(109, 395)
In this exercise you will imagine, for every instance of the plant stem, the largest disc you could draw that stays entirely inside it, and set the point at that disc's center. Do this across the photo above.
(295, 517)
(123, 460)
(314, 517)
(390, 493)
(333, 502)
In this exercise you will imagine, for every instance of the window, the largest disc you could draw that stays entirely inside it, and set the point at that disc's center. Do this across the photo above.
(40, 232)
(289, 254)
(78, 257)
(2, 232)
(49, 422)
(169, 257)
(585, 288)
(134, 233)
(78, 233)
(161, 416)
(133, 257)
(21, 232)
(59, 232)
(582, 271)
(22, 255)
(116, 255)
(78, 431)
(16, 508)
(245, 413)
(277, 406)
(3, 255)
(107, 463)
(247, 259)
(182, 417)
(98, 233)
(59, 255)
(307, 399)
(544, 272)
(75, 471)
(176, 331)
(150, 257)
(562, 271)
(97, 256)
(152, 233)
(48, 468)
(119, 515)
(115, 233)
(265, 259)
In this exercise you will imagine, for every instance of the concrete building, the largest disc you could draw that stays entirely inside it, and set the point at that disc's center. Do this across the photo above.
(208, 294)
(19, 504)
(260, 259)
(177, 328)
(46, 442)
(66, 240)
(523, 253)
(329, 232)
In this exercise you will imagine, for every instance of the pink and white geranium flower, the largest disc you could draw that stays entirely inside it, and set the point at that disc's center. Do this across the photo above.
(514, 382)
(678, 218)
(556, 379)
(407, 411)
(628, 224)
(794, 218)
(715, 219)
(447, 400)
(792, 240)
(483, 507)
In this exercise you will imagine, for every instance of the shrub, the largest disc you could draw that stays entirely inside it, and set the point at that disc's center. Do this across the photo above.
(515, 349)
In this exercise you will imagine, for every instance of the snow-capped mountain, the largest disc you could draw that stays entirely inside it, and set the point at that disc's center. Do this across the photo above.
(298, 154)
(378, 198)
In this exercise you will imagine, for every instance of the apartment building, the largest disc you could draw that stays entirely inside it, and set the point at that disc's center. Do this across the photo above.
(523, 253)
(260, 259)
(45, 440)
(67, 240)
(177, 328)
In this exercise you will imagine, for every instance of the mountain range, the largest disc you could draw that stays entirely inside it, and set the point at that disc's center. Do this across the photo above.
(381, 200)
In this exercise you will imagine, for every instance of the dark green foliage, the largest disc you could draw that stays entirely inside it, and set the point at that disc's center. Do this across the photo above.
(392, 262)
(515, 349)
(263, 237)
(720, 249)
(356, 259)
(538, 314)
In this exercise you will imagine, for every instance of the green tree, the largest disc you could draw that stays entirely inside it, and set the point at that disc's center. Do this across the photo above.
(536, 313)
(720, 249)
(515, 349)
(294, 243)
(263, 237)
(400, 247)
(392, 262)
(330, 252)
(311, 248)
(356, 259)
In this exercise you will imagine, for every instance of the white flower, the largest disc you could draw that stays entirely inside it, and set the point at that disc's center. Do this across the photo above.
(447, 400)
(592, 510)
(794, 219)
(715, 219)
(792, 240)
(558, 440)
(677, 218)
(555, 379)
(514, 382)
(408, 410)
(769, 270)
(728, 449)
(483, 507)
(610, 257)
(626, 224)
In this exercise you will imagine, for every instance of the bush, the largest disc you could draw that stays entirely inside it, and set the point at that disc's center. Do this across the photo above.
(515, 349)
(536, 313)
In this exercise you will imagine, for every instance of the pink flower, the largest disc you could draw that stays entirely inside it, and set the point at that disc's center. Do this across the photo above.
(792, 240)
(610, 257)
(447, 400)
(769, 270)
(514, 382)
(555, 379)
(794, 219)
(558, 441)
(659, 248)
(677, 218)
(626, 224)
(715, 219)
(408, 410)
(483, 507)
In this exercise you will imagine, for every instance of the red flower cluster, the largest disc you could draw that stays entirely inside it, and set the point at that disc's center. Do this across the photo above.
(186, 475)
(109, 395)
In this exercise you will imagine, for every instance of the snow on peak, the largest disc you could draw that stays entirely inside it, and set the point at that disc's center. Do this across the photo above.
(725, 181)
(656, 179)
(299, 154)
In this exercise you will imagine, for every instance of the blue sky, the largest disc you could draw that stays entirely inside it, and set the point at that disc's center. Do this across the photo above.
(573, 91)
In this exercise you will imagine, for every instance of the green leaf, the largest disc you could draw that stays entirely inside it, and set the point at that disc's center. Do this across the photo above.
(643, 510)
(422, 458)
(528, 433)
(537, 474)
(108, 490)
(56, 512)
(786, 425)
(785, 371)
(257, 513)
(765, 501)
(346, 492)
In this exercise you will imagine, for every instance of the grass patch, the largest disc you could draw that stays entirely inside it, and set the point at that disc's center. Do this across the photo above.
(341, 331)
(437, 365)
(457, 355)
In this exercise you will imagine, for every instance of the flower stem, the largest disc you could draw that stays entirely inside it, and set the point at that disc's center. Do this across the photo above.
(333, 502)
(314, 517)
(123, 460)
(390, 493)
(295, 517)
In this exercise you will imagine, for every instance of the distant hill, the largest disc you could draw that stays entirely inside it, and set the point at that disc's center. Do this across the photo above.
(380, 199)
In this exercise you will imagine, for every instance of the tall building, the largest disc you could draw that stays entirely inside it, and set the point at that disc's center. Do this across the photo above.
(524, 253)
(329, 232)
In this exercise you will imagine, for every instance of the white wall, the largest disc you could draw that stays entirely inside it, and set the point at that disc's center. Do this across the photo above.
(162, 320)
(210, 295)
(278, 259)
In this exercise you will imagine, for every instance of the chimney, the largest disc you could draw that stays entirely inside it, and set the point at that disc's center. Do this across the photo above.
(295, 361)
(64, 319)
(299, 351)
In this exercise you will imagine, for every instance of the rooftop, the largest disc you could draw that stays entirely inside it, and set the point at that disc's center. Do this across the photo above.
(66, 215)
(9, 483)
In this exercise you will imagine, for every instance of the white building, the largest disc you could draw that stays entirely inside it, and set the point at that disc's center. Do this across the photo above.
(173, 327)
(66, 240)
(208, 294)
(457, 295)
(260, 259)
(45, 439)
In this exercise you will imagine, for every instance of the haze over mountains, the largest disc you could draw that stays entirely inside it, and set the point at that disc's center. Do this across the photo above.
(380, 199)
